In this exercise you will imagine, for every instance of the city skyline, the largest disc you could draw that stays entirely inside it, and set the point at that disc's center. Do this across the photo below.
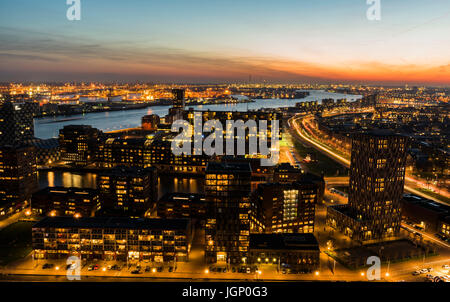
(292, 41)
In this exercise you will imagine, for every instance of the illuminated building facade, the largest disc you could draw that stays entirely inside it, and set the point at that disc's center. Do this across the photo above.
(231, 215)
(112, 238)
(61, 201)
(128, 190)
(377, 176)
(288, 207)
(79, 143)
(124, 152)
(239, 136)
(18, 177)
(162, 157)
(444, 227)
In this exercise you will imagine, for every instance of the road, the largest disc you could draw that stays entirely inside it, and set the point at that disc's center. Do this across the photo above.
(11, 219)
(345, 162)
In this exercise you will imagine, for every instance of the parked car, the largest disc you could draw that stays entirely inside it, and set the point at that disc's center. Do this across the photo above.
(446, 266)
(416, 273)
(135, 271)
(423, 271)
(96, 267)
(90, 267)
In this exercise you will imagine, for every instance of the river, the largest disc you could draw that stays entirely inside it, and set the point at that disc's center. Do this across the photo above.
(48, 127)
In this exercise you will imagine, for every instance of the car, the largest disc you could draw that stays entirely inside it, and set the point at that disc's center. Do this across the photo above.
(96, 267)
(90, 267)
(429, 276)
(47, 265)
(248, 270)
(138, 267)
(284, 271)
(446, 266)
(135, 272)
(423, 271)
(416, 273)
(147, 269)
(429, 269)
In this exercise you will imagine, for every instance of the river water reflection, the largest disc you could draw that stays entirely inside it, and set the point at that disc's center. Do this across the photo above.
(166, 184)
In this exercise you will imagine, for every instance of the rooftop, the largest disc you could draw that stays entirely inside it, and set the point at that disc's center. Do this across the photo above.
(235, 167)
(284, 241)
(65, 190)
(127, 171)
(113, 223)
(427, 204)
(176, 197)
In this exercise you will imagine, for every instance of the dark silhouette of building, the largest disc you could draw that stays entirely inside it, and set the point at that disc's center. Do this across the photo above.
(424, 213)
(182, 205)
(177, 110)
(296, 253)
(16, 122)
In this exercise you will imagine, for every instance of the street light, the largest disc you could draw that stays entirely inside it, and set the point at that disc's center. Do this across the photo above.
(206, 271)
(317, 273)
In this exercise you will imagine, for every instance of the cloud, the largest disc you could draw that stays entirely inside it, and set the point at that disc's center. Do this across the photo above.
(30, 54)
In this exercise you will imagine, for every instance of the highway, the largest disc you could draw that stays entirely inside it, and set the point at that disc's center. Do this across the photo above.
(345, 162)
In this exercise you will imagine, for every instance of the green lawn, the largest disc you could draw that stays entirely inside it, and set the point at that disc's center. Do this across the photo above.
(15, 242)
(324, 164)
